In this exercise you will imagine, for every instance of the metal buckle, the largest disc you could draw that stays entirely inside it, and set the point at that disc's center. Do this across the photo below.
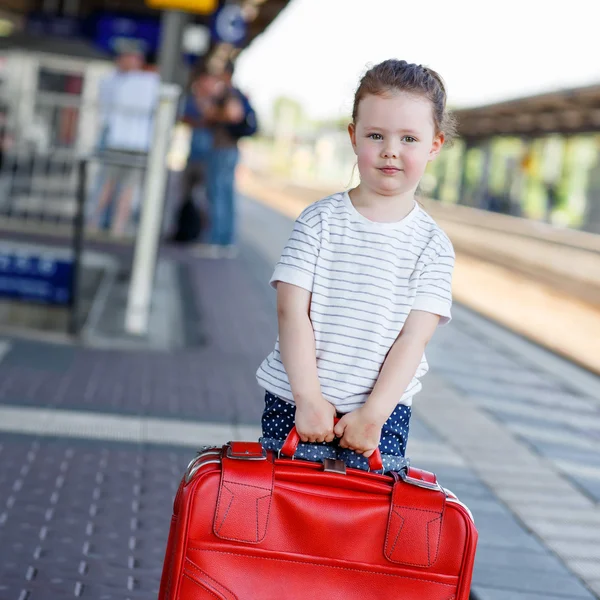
(287, 457)
(189, 469)
(198, 462)
(436, 487)
(333, 465)
(377, 471)
(229, 454)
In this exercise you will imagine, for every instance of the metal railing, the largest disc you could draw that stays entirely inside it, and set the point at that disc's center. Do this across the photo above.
(59, 175)
(41, 143)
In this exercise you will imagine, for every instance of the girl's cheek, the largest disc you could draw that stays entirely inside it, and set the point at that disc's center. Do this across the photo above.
(368, 154)
(363, 161)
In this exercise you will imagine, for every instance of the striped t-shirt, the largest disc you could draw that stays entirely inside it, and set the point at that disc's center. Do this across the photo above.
(365, 278)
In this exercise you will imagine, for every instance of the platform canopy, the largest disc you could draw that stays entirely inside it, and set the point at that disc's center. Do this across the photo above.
(568, 111)
(261, 12)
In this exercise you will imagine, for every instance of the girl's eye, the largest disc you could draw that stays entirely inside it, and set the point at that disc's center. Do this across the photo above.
(376, 136)
(410, 139)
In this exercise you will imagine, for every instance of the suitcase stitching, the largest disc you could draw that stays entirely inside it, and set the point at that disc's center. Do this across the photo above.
(218, 531)
(441, 517)
(398, 535)
(299, 562)
(220, 597)
(195, 567)
(435, 512)
(256, 487)
(268, 514)
(391, 551)
(198, 583)
(437, 549)
(269, 495)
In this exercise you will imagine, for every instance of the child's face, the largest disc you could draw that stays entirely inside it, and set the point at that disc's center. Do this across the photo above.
(394, 138)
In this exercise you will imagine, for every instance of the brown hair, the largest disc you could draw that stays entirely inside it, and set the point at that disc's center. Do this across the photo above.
(392, 76)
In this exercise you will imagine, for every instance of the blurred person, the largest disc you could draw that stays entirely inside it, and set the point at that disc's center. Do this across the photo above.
(362, 284)
(192, 217)
(231, 117)
(127, 102)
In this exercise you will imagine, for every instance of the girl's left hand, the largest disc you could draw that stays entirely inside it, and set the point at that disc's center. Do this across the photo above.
(359, 431)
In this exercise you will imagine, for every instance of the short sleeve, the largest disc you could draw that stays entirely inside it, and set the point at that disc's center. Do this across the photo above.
(434, 290)
(299, 258)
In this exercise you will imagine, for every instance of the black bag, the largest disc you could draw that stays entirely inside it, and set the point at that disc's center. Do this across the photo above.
(190, 222)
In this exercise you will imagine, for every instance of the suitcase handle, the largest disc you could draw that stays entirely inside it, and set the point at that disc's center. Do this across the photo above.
(293, 439)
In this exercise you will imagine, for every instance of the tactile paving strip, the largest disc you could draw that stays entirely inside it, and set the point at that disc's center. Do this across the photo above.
(84, 520)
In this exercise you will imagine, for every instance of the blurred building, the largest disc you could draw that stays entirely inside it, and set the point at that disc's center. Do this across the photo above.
(536, 157)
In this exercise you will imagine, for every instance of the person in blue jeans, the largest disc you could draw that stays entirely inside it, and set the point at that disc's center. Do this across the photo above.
(221, 195)
(200, 145)
(194, 176)
(232, 118)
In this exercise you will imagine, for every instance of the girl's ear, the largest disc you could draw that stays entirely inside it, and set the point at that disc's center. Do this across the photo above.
(436, 146)
(352, 133)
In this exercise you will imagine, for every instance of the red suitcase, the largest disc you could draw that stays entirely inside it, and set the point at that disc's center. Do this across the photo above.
(251, 525)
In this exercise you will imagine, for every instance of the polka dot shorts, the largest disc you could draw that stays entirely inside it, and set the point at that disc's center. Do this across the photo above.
(279, 418)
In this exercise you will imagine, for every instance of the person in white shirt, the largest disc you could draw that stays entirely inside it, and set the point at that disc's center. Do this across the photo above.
(127, 106)
(363, 283)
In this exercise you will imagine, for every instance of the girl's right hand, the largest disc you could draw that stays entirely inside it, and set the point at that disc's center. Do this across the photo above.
(314, 420)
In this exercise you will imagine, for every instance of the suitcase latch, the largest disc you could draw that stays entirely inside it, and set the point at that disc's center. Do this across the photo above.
(333, 465)
(436, 487)
(246, 451)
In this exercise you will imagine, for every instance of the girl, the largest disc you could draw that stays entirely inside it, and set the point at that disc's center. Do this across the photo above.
(363, 283)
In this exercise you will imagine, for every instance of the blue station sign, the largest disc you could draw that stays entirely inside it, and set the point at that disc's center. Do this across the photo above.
(36, 275)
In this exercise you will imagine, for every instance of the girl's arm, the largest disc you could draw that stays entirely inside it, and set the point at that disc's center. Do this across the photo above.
(401, 363)
(361, 429)
(314, 415)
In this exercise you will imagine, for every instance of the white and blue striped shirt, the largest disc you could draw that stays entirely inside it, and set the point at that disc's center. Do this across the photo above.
(365, 278)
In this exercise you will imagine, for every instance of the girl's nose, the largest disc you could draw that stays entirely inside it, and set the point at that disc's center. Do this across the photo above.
(390, 153)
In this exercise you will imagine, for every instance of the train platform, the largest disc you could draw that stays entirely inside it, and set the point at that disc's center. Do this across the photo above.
(95, 438)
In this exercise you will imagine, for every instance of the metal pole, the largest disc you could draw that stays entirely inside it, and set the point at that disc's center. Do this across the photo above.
(173, 23)
(78, 227)
(148, 237)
